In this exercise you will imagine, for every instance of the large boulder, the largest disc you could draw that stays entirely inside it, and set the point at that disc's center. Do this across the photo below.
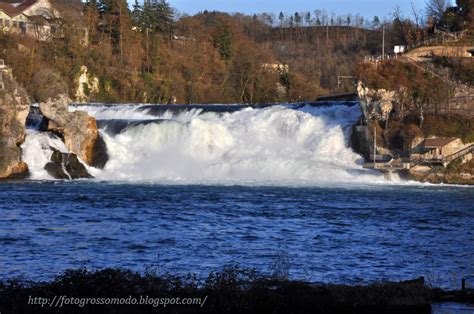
(14, 108)
(66, 166)
(78, 130)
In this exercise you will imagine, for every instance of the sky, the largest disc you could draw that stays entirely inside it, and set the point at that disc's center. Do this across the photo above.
(366, 8)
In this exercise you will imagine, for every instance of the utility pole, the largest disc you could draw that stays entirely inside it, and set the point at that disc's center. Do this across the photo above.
(383, 42)
(327, 37)
(375, 146)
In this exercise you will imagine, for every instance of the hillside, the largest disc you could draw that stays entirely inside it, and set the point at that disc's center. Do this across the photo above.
(211, 57)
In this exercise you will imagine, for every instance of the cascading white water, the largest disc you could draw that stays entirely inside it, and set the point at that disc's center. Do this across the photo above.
(265, 146)
(37, 151)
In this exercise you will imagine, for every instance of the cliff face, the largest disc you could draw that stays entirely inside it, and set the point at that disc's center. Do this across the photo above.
(401, 137)
(87, 85)
(14, 108)
(376, 104)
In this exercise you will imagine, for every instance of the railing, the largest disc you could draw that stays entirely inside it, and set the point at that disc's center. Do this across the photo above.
(439, 38)
(401, 164)
(377, 58)
(463, 98)
(2, 66)
(459, 154)
(441, 160)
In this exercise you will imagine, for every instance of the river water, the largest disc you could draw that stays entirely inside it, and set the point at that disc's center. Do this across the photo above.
(195, 190)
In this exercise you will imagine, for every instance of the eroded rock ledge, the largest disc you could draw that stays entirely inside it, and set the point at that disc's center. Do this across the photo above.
(77, 129)
(14, 108)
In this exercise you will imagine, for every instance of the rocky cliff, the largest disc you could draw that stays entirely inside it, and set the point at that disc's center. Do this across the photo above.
(14, 108)
(87, 85)
(377, 104)
(77, 129)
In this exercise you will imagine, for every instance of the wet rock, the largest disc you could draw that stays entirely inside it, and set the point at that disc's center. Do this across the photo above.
(77, 129)
(99, 153)
(376, 104)
(14, 108)
(66, 166)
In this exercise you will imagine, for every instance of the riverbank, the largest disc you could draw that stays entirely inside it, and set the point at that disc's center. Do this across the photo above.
(233, 290)
(414, 122)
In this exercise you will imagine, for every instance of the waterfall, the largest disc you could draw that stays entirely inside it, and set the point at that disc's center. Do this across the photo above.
(267, 145)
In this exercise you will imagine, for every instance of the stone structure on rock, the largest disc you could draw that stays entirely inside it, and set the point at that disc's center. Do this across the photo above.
(14, 108)
(376, 104)
(78, 130)
(86, 85)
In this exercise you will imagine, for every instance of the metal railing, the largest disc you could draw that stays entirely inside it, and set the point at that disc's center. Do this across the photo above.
(459, 154)
(376, 58)
(441, 160)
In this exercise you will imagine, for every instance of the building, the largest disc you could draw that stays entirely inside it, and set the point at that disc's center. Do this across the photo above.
(399, 49)
(33, 18)
(440, 147)
(276, 67)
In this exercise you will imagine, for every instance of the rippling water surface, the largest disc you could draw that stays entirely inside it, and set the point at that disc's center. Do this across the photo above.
(329, 234)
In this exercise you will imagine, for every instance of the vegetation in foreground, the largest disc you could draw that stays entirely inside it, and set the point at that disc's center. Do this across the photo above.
(231, 291)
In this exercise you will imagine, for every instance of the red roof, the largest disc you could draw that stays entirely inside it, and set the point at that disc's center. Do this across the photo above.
(13, 10)
(438, 142)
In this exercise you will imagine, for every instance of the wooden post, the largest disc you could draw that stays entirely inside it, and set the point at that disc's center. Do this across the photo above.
(375, 146)
(383, 43)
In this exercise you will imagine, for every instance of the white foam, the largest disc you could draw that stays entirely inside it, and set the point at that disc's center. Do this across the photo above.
(129, 112)
(37, 152)
(269, 145)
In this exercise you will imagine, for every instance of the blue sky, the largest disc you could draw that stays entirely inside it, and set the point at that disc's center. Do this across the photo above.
(367, 8)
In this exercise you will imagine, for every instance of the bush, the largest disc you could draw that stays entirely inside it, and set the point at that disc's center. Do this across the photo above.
(48, 84)
(233, 290)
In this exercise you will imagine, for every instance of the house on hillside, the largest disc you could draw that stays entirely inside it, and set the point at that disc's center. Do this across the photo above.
(440, 147)
(400, 49)
(32, 18)
(276, 67)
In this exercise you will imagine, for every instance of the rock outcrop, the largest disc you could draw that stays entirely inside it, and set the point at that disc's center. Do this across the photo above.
(77, 129)
(376, 104)
(66, 166)
(14, 108)
(87, 85)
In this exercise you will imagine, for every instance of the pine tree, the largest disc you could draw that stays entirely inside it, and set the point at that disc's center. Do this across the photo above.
(155, 16)
(116, 19)
(281, 17)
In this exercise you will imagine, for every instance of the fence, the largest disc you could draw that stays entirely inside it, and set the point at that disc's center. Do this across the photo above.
(376, 58)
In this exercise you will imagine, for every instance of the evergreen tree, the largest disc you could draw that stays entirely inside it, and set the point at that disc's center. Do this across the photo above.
(376, 22)
(155, 16)
(223, 40)
(308, 19)
(297, 19)
(281, 17)
(116, 21)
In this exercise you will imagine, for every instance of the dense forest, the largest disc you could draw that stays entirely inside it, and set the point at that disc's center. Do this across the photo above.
(149, 53)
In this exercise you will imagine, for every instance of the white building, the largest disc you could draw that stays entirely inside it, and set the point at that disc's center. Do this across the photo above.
(399, 49)
(33, 18)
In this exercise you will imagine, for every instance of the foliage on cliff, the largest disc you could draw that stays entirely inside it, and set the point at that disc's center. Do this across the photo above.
(414, 84)
(421, 96)
(148, 54)
(461, 69)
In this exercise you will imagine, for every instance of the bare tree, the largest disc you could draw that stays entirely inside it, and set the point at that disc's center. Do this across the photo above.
(436, 8)
(416, 15)
(398, 26)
